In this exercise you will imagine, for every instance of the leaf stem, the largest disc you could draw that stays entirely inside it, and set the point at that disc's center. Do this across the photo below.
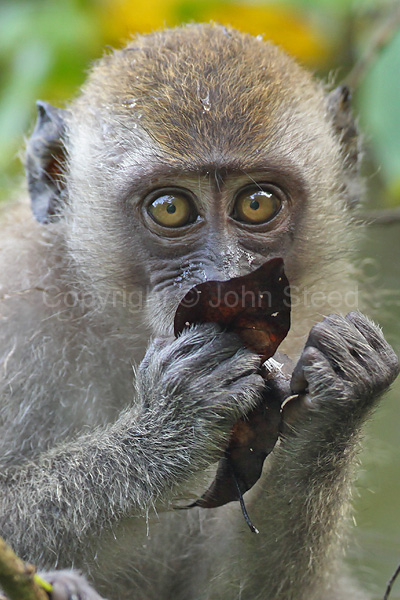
(252, 527)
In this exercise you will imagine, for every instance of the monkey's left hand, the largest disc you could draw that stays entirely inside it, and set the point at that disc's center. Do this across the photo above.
(345, 364)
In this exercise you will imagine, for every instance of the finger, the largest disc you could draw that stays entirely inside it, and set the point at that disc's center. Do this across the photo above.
(244, 395)
(369, 330)
(299, 383)
(242, 363)
(341, 342)
(314, 374)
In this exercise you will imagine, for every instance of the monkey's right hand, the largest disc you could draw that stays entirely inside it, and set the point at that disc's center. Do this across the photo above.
(194, 388)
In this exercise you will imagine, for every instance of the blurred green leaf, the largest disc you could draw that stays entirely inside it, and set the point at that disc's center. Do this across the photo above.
(45, 47)
(380, 111)
(30, 65)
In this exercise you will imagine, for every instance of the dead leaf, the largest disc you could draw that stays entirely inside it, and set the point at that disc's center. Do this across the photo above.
(256, 307)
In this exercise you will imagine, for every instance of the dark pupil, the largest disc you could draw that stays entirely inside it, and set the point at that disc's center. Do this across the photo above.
(171, 208)
(254, 204)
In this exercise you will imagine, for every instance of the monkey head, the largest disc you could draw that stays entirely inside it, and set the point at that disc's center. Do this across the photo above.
(196, 153)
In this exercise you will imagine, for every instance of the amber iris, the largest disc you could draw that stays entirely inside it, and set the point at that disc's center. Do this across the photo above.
(171, 210)
(256, 205)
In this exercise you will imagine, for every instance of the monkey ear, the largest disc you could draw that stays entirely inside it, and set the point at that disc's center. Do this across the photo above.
(339, 107)
(45, 158)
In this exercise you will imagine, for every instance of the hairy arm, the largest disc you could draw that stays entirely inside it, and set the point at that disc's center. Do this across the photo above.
(176, 428)
(302, 503)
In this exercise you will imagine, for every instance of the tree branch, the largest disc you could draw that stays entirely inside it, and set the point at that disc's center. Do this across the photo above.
(382, 37)
(17, 578)
(386, 216)
(391, 582)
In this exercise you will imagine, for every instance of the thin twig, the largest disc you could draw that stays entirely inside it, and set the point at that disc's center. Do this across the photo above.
(386, 216)
(391, 582)
(382, 37)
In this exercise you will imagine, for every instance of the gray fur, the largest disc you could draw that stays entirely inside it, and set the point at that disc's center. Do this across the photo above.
(100, 439)
(68, 585)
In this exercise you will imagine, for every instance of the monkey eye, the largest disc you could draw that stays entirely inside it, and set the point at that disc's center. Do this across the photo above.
(172, 209)
(256, 204)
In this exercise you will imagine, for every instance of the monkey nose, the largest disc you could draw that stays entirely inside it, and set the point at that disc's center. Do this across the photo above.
(218, 271)
(227, 265)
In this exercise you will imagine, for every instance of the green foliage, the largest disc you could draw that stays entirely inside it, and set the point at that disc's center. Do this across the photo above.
(379, 102)
(45, 48)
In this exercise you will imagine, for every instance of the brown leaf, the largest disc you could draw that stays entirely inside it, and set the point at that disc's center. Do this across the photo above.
(257, 308)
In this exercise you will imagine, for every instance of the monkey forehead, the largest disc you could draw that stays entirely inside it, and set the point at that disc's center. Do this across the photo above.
(204, 95)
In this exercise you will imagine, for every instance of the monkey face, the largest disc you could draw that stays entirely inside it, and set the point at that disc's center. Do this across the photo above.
(216, 225)
(192, 154)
